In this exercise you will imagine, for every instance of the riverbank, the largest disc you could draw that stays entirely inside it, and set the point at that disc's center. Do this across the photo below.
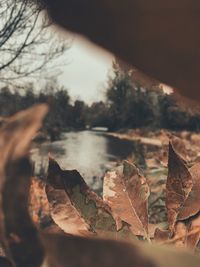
(135, 135)
(155, 144)
(148, 149)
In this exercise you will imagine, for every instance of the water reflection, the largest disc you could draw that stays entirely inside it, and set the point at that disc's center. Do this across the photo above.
(91, 153)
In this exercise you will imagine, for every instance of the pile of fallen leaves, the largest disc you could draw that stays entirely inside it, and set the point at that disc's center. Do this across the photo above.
(90, 231)
(123, 210)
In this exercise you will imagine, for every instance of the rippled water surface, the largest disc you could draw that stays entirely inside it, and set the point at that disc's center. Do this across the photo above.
(91, 153)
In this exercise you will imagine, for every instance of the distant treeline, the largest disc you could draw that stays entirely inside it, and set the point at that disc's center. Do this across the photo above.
(128, 105)
(131, 105)
(63, 115)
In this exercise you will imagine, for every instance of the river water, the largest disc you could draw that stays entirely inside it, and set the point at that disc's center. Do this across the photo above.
(91, 153)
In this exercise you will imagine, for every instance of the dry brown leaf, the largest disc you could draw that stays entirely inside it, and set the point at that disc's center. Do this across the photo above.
(179, 146)
(17, 133)
(178, 187)
(115, 196)
(152, 228)
(178, 239)
(38, 202)
(64, 213)
(17, 232)
(94, 214)
(192, 205)
(180, 235)
(160, 236)
(193, 233)
(186, 234)
(127, 194)
(138, 191)
(22, 242)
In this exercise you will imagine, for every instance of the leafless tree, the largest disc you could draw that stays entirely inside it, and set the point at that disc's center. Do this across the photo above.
(26, 45)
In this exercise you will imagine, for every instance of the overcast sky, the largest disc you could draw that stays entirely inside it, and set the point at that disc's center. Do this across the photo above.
(86, 71)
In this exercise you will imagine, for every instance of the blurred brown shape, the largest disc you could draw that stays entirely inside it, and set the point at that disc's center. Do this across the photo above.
(69, 251)
(17, 232)
(5, 262)
(160, 38)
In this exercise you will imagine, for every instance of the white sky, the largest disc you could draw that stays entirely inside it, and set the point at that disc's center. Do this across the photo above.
(86, 70)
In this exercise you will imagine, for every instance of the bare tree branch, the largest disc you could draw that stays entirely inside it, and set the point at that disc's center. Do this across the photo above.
(26, 46)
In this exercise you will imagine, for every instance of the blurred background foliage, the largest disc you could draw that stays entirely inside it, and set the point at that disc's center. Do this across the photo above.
(127, 105)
